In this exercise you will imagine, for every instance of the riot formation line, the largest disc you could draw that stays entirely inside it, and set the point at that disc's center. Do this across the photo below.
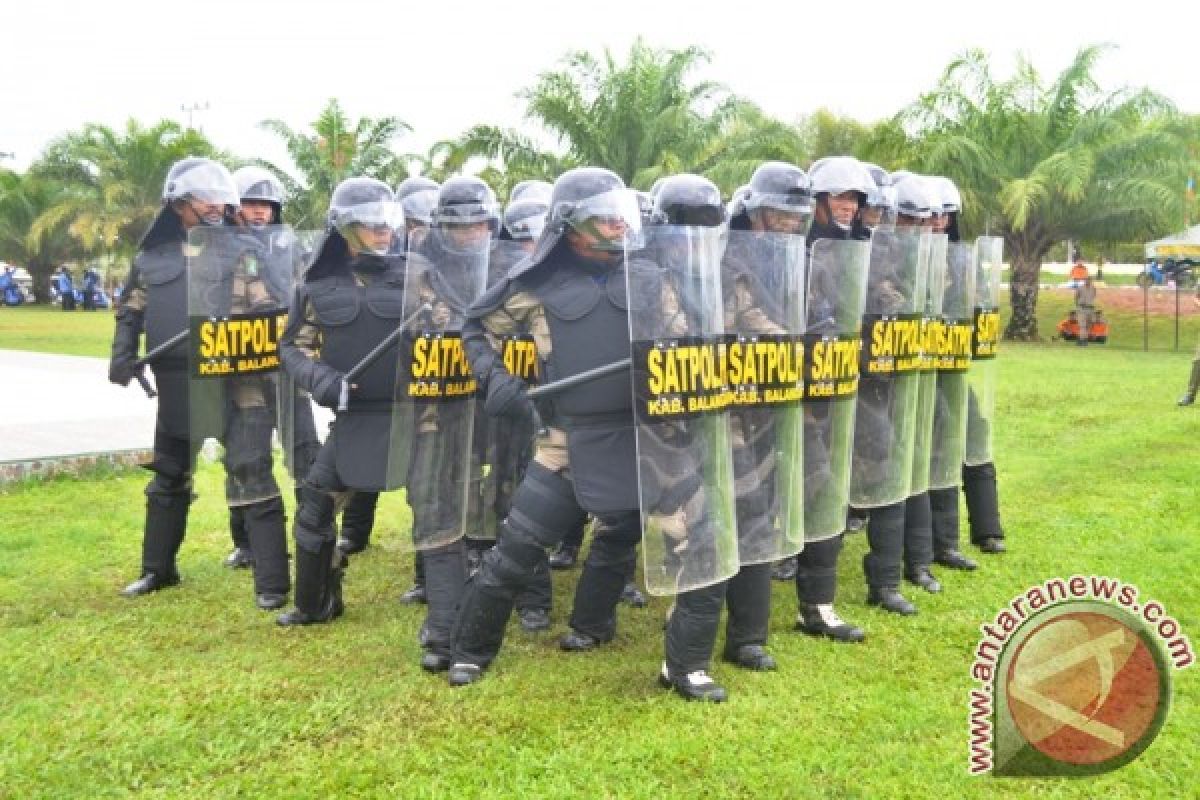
(729, 387)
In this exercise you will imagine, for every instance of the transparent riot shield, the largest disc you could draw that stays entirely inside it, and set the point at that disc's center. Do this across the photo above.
(953, 352)
(837, 274)
(681, 396)
(302, 423)
(431, 450)
(240, 282)
(981, 397)
(931, 335)
(885, 416)
(762, 280)
(503, 446)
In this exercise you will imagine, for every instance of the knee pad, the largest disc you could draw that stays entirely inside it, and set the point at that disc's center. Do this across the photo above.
(544, 507)
(166, 488)
(263, 509)
(316, 510)
(511, 563)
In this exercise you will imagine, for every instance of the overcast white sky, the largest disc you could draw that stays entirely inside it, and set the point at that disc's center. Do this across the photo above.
(443, 66)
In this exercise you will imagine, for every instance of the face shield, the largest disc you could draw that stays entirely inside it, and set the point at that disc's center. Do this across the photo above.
(370, 227)
(611, 221)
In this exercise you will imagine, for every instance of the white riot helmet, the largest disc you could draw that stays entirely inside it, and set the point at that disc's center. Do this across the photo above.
(365, 203)
(256, 183)
(914, 198)
(525, 215)
(202, 180)
(835, 175)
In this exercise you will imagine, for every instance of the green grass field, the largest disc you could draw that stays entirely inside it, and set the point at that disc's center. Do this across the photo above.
(193, 693)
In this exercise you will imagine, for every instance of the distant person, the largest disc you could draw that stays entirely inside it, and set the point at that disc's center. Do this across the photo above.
(91, 282)
(1085, 304)
(9, 287)
(1079, 272)
(1068, 327)
(1189, 396)
(1098, 333)
(66, 288)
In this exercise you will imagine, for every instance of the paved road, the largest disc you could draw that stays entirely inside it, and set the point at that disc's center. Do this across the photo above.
(53, 406)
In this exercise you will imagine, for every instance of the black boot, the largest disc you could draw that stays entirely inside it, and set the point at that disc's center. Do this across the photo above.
(955, 560)
(693, 686)
(921, 576)
(240, 557)
(632, 596)
(889, 599)
(983, 506)
(751, 656)
(822, 620)
(944, 505)
(882, 588)
(150, 582)
(266, 527)
(416, 593)
(318, 586)
(166, 524)
(358, 519)
(881, 566)
(918, 542)
(1189, 396)
(445, 568)
(564, 556)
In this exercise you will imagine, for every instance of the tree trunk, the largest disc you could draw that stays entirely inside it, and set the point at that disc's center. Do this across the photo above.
(1023, 292)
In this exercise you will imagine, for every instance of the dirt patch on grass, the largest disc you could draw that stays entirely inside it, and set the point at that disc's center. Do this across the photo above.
(1159, 301)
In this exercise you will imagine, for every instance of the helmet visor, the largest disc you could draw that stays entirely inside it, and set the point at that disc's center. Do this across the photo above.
(793, 202)
(613, 217)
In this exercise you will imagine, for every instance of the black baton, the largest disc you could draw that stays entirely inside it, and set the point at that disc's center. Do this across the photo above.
(583, 377)
(139, 366)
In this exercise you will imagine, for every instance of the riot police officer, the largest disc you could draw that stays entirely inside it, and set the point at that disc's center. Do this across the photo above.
(197, 192)
(352, 299)
(886, 526)
(978, 479)
(841, 186)
(570, 296)
(262, 199)
(417, 196)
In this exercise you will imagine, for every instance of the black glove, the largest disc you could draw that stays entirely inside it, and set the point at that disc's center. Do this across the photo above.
(507, 397)
(121, 368)
(327, 389)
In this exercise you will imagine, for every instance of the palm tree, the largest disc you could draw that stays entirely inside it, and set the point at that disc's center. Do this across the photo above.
(1041, 163)
(337, 148)
(23, 200)
(115, 180)
(642, 119)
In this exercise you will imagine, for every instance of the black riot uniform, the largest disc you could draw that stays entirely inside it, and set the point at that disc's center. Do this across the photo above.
(258, 529)
(350, 302)
(570, 295)
(417, 196)
(978, 481)
(898, 531)
(816, 565)
(505, 443)
(688, 200)
(197, 191)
